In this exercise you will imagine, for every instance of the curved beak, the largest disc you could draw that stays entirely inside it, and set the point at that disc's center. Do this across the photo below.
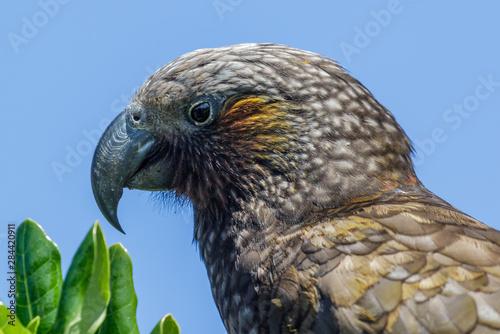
(120, 156)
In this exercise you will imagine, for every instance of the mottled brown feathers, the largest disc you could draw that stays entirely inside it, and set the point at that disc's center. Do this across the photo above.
(308, 212)
(397, 269)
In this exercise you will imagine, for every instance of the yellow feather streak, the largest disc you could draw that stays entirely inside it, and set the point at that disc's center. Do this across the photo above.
(262, 123)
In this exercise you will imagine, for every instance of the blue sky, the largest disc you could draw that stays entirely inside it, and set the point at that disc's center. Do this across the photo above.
(69, 67)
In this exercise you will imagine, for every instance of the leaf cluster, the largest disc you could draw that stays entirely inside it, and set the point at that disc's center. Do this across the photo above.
(97, 295)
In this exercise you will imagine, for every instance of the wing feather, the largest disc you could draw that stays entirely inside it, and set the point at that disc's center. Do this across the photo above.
(400, 268)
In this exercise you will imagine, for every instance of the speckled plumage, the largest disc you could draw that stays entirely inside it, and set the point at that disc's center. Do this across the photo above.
(308, 213)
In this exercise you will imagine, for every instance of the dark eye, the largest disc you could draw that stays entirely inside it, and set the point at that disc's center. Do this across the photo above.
(201, 113)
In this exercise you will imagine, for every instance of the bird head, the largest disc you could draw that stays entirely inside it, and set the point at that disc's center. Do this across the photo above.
(260, 128)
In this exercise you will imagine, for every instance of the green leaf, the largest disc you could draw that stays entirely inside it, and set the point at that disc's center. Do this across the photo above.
(85, 293)
(120, 316)
(33, 325)
(11, 324)
(167, 325)
(39, 278)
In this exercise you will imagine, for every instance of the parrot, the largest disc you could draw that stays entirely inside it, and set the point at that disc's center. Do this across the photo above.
(308, 214)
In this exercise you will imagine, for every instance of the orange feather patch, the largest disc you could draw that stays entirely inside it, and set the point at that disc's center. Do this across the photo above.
(261, 123)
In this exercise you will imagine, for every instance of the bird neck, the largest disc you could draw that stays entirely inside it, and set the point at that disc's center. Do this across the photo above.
(226, 227)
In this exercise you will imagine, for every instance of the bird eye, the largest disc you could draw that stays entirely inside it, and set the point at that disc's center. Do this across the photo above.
(201, 113)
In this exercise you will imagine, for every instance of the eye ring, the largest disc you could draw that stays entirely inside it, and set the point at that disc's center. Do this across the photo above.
(201, 112)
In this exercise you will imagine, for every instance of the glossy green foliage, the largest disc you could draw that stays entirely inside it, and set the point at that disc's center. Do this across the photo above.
(120, 317)
(167, 325)
(97, 295)
(85, 295)
(39, 278)
(11, 325)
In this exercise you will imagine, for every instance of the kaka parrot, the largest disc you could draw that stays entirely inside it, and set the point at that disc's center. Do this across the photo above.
(307, 210)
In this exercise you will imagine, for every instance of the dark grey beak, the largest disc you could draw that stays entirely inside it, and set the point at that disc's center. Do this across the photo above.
(120, 154)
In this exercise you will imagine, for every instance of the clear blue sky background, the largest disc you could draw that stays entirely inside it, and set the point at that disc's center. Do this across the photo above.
(67, 70)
